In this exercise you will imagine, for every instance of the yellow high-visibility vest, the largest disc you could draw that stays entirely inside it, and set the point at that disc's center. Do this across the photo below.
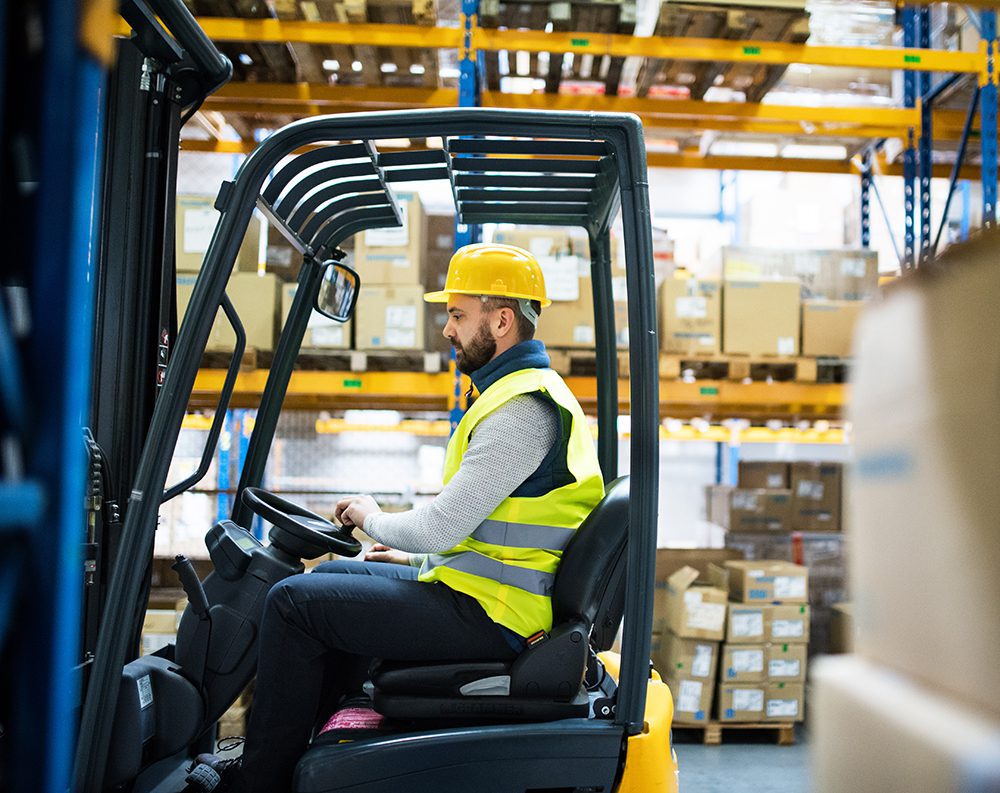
(509, 562)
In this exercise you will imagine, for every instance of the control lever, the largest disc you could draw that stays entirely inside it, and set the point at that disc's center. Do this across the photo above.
(192, 585)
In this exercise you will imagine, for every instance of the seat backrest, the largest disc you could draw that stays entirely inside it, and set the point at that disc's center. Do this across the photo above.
(590, 581)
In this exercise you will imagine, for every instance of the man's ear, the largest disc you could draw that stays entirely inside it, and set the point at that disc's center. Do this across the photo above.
(506, 322)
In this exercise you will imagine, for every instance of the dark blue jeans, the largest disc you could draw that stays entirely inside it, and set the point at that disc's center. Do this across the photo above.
(318, 635)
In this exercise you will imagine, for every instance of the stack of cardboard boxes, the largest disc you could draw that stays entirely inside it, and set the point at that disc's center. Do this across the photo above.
(789, 511)
(253, 294)
(918, 706)
(390, 309)
(769, 303)
(730, 638)
(763, 668)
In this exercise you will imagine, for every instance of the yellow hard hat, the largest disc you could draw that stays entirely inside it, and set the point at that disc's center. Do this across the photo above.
(490, 269)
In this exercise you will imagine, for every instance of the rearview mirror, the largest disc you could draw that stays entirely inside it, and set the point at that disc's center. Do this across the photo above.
(338, 293)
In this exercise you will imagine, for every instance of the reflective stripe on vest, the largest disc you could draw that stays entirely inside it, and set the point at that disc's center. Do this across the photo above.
(523, 535)
(533, 581)
(509, 562)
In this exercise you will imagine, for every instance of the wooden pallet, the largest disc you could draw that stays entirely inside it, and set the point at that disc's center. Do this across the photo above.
(582, 363)
(746, 21)
(743, 368)
(712, 733)
(604, 16)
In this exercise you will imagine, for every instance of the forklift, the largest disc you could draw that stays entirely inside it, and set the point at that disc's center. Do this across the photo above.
(574, 716)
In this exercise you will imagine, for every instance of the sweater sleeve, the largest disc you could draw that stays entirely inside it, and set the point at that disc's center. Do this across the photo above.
(504, 450)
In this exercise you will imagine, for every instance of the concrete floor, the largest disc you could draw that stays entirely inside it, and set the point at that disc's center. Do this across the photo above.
(756, 767)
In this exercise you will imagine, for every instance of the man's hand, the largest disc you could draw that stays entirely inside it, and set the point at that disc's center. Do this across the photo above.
(353, 510)
(383, 553)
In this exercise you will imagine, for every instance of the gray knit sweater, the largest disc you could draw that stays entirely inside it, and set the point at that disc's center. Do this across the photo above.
(505, 449)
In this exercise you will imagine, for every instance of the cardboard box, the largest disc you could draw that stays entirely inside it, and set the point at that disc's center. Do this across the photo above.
(159, 628)
(691, 316)
(829, 274)
(394, 256)
(743, 663)
(784, 702)
(670, 560)
(740, 510)
(692, 698)
(196, 220)
(769, 475)
(760, 317)
(787, 624)
(816, 496)
(745, 624)
(255, 298)
(691, 610)
(924, 499)
(322, 332)
(767, 581)
(828, 327)
(564, 256)
(694, 658)
(841, 628)
(389, 318)
(786, 663)
(741, 702)
(898, 735)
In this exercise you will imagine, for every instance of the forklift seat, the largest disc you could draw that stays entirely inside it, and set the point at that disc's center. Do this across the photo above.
(546, 681)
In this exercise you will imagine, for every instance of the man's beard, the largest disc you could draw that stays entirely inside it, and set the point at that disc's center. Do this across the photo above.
(477, 353)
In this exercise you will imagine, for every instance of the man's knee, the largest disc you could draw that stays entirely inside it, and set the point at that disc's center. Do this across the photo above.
(339, 566)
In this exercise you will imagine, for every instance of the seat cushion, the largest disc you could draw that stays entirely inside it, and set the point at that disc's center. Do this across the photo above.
(423, 679)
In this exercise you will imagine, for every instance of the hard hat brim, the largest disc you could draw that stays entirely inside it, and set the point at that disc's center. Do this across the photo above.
(442, 296)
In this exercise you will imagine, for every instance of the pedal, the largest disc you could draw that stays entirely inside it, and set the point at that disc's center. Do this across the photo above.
(202, 779)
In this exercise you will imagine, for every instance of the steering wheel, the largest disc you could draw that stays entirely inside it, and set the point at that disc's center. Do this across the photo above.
(300, 531)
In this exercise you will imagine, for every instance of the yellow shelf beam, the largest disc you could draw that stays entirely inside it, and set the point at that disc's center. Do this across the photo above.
(418, 391)
(763, 52)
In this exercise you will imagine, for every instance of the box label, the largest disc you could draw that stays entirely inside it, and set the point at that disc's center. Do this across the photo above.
(562, 277)
(786, 345)
(783, 667)
(747, 624)
(400, 317)
(810, 489)
(397, 337)
(787, 629)
(691, 307)
(395, 237)
(702, 663)
(199, 225)
(689, 696)
(583, 334)
(745, 500)
(789, 586)
(748, 660)
(707, 616)
(782, 708)
(853, 268)
(145, 685)
(748, 699)
(328, 336)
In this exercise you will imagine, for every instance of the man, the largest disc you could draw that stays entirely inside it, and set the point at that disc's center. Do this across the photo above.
(521, 474)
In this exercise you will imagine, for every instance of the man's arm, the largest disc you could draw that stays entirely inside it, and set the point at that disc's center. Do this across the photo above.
(504, 450)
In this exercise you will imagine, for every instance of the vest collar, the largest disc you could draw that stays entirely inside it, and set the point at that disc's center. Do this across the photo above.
(525, 355)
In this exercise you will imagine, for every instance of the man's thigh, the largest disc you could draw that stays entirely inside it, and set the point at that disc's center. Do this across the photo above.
(380, 569)
(373, 614)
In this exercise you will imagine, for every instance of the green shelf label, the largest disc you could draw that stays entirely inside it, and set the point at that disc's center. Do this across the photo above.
(352, 383)
(911, 59)
(580, 42)
(751, 50)
(708, 391)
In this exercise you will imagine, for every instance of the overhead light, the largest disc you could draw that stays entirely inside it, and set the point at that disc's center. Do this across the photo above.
(417, 68)
(356, 66)
(245, 59)
(331, 65)
(798, 150)
(522, 61)
(387, 68)
(549, 27)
